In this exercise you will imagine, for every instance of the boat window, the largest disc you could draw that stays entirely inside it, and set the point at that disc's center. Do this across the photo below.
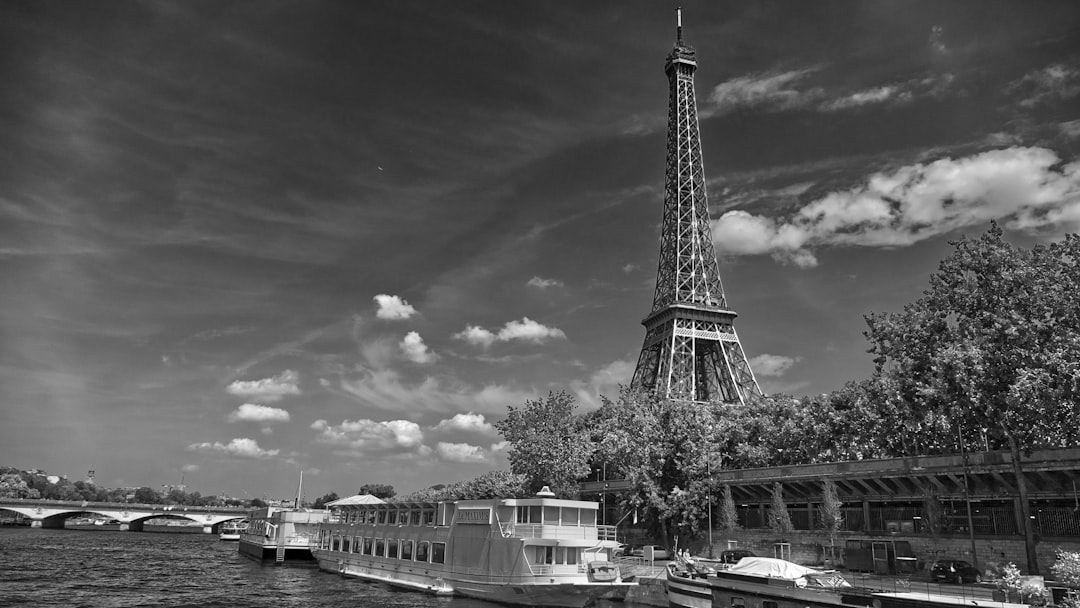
(415, 518)
(345, 545)
(438, 553)
(534, 515)
(391, 517)
(380, 547)
(422, 551)
(336, 544)
(406, 549)
(769, 604)
(371, 516)
(570, 517)
(391, 548)
(367, 545)
(738, 602)
(429, 517)
(588, 517)
(356, 543)
(545, 555)
(382, 517)
(551, 515)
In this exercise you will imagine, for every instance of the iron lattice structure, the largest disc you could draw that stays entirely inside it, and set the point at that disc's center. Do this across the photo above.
(691, 351)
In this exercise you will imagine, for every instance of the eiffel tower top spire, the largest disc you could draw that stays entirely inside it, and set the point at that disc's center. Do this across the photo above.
(691, 351)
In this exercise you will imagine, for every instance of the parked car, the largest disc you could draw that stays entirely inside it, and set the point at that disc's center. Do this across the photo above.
(658, 552)
(620, 549)
(732, 556)
(955, 571)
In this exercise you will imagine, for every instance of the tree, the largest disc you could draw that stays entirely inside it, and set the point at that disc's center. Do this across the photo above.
(992, 346)
(831, 514)
(147, 496)
(12, 485)
(493, 484)
(378, 490)
(729, 517)
(933, 515)
(257, 503)
(548, 443)
(1067, 568)
(779, 518)
(320, 502)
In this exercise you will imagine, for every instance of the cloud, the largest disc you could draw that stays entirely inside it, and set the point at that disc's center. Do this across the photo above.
(371, 436)
(525, 330)
(384, 389)
(393, 308)
(461, 452)
(415, 350)
(189, 468)
(544, 283)
(1028, 187)
(240, 447)
(772, 365)
(875, 95)
(253, 412)
(465, 422)
(770, 91)
(267, 389)
(628, 268)
(1056, 82)
(604, 381)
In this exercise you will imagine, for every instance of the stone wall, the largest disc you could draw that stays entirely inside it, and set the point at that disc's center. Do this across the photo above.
(811, 548)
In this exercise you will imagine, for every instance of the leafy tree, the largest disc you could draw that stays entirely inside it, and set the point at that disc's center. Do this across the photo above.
(12, 485)
(779, 518)
(493, 484)
(1067, 567)
(378, 490)
(550, 445)
(147, 496)
(257, 503)
(831, 514)
(320, 502)
(993, 345)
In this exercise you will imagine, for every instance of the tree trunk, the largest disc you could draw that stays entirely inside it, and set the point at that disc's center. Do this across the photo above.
(1025, 507)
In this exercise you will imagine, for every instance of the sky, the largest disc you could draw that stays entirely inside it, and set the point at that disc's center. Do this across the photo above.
(247, 239)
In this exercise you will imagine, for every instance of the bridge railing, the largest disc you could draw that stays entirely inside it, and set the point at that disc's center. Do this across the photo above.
(130, 506)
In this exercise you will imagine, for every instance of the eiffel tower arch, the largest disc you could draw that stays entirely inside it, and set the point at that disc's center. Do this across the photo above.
(691, 351)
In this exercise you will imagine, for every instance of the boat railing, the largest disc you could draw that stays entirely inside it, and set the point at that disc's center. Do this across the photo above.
(556, 569)
(517, 530)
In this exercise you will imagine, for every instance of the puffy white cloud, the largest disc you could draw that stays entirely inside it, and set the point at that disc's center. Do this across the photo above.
(1026, 187)
(465, 422)
(544, 283)
(772, 365)
(604, 381)
(1055, 82)
(258, 413)
(476, 335)
(369, 435)
(267, 389)
(415, 350)
(393, 308)
(461, 452)
(525, 330)
(239, 447)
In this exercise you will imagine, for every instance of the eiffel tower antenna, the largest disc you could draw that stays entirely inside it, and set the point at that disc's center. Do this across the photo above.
(691, 351)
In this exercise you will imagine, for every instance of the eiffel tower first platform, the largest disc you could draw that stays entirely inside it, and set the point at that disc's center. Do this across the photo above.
(691, 351)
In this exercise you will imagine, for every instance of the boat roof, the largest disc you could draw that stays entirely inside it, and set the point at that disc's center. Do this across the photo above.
(358, 499)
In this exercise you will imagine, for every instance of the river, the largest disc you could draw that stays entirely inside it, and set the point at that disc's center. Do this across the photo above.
(113, 569)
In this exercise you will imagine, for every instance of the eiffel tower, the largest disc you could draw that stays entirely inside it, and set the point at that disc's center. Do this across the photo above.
(691, 351)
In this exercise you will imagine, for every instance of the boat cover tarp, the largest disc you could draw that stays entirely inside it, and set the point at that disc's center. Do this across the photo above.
(771, 567)
(358, 499)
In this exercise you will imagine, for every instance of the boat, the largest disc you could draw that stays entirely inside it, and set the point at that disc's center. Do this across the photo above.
(231, 530)
(765, 582)
(281, 534)
(537, 551)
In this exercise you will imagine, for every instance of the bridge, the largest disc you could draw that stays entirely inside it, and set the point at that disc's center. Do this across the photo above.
(52, 513)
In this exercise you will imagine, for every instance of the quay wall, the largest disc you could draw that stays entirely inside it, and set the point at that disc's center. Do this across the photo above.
(812, 548)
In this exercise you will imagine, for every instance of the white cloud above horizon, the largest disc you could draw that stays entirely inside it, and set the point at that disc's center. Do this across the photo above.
(412, 345)
(772, 365)
(1026, 187)
(540, 283)
(465, 422)
(240, 447)
(366, 435)
(461, 452)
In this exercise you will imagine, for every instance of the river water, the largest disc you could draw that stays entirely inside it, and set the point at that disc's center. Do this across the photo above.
(113, 569)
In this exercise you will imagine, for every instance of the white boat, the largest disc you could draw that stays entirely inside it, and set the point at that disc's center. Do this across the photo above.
(231, 530)
(538, 551)
(281, 534)
(765, 582)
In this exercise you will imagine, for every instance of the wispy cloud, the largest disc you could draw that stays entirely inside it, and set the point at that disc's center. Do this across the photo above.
(1055, 82)
(1026, 186)
(772, 365)
(769, 91)
(540, 283)
(387, 390)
